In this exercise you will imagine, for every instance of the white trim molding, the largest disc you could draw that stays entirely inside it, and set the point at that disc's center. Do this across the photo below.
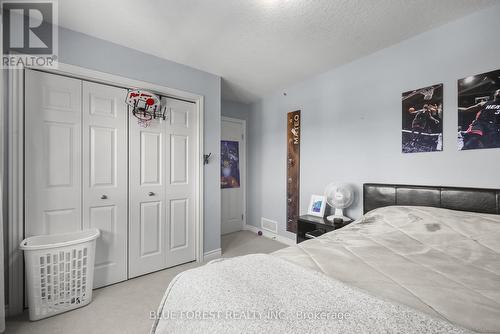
(269, 235)
(212, 255)
(2, 249)
(116, 80)
(199, 210)
(16, 162)
(15, 172)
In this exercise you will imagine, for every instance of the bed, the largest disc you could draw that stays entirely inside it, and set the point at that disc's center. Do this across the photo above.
(421, 259)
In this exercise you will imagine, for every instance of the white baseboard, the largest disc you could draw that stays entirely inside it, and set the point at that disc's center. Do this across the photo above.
(212, 255)
(270, 235)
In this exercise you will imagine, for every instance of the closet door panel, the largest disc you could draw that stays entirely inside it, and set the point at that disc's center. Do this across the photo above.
(181, 136)
(103, 156)
(105, 219)
(179, 213)
(150, 229)
(147, 210)
(150, 158)
(105, 175)
(53, 121)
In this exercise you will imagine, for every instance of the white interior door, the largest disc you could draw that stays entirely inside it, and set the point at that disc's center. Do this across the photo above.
(105, 178)
(162, 190)
(53, 155)
(233, 197)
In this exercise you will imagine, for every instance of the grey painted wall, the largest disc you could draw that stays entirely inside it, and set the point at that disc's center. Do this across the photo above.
(351, 121)
(96, 54)
(235, 110)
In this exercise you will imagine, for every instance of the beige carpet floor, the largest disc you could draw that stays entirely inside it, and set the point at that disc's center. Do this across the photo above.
(125, 307)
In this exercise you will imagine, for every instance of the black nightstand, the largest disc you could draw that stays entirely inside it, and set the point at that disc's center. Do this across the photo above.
(308, 224)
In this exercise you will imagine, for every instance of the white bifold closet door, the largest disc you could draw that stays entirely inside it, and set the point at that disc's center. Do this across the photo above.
(105, 178)
(85, 166)
(162, 188)
(76, 165)
(53, 155)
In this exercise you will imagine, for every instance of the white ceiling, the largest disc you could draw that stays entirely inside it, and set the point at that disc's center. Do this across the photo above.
(260, 46)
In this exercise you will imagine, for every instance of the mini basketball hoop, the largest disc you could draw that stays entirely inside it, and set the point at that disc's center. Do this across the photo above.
(145, 107)
(143, 119)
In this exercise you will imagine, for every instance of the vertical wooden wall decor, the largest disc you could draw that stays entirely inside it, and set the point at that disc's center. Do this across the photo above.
(293, 171)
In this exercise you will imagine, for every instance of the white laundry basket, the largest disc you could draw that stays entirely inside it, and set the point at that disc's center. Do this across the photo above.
(59, 271)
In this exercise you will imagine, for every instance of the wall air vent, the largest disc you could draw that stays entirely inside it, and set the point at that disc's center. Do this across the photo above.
(269, 225)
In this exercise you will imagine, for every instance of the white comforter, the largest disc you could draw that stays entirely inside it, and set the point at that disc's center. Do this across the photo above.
(264, 294)
(442, 262)
(445, 265)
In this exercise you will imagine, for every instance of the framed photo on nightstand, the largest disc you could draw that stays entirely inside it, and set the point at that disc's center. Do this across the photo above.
(317, 206)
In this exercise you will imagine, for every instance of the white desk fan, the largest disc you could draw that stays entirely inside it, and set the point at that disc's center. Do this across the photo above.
(339, 197)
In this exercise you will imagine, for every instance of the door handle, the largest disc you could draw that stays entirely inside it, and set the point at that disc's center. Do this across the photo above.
(151, 193)
(104, 197)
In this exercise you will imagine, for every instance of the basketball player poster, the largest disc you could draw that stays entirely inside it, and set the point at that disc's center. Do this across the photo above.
(479, 111)
(422, 129)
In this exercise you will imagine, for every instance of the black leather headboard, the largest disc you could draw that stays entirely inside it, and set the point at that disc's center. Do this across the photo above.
(464, 199)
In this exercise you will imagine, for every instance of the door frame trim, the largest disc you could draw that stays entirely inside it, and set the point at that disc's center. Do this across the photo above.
(16, 161)
(244, 178)
(15, 207)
